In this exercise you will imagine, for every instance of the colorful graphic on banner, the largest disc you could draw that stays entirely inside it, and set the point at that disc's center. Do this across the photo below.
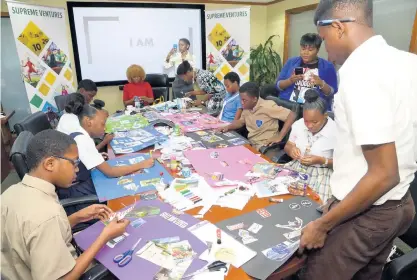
(228, 42)
(42, 47)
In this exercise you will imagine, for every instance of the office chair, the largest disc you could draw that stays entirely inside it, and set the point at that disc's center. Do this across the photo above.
(19, 159)
(268, 90)
(159, 84)
(34, 123)
(60, 101)
(294, 107)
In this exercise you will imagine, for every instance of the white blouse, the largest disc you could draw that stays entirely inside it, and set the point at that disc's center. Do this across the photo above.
(68, 123)
(322, 143)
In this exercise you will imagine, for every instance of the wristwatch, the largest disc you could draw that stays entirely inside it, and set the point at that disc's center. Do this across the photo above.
(326, 161)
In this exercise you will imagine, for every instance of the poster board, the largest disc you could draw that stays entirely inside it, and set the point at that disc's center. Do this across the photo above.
(139, 182)
(189, 122)
(287, 215)
(119, 122)
(212, 139)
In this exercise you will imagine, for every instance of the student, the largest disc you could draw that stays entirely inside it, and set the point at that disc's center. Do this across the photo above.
(68, 123)
(317, 73)
(311, 144)
(176, 57)
(232, 106)
(36, 232)
(183, 83)
(88, 89)
(92, 122)
(373, 156)
(261, 117)
(137, 86)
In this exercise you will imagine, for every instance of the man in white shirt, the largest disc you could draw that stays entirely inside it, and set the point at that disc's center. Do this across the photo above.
(374, 160)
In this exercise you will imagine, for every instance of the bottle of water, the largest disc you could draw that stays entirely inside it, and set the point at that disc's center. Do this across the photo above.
(137, 103)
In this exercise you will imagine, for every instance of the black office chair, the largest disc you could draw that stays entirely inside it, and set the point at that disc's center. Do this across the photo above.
(34, 123)
(405, 267)
(60, 101)
(19, 159)
(294, 107)
(159, 84)
(268, 90)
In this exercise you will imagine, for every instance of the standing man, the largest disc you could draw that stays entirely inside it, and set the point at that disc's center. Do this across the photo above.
(374, 159)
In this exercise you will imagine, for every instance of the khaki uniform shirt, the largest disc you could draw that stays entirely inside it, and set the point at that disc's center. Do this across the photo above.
(35, 232)
(262, 121)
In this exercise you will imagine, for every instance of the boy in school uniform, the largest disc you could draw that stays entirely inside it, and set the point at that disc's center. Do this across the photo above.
(261, 117)
(35, 231)
(232, 106)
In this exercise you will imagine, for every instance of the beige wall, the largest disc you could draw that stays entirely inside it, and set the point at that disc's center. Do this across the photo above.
(275, 24)
(111, 95)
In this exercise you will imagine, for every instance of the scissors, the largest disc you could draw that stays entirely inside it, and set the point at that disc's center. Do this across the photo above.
(215, 266)
(125, 258)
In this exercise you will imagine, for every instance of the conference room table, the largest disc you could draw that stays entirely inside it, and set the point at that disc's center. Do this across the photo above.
(217, 214)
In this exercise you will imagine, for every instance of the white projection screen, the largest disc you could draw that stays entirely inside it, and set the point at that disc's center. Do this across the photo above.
(109, 37)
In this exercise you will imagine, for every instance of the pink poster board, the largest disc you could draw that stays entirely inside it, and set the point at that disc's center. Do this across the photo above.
(190, 122)
(232, 162)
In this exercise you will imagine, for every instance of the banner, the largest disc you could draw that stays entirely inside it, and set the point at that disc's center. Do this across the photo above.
(228, 42)
(42, 47)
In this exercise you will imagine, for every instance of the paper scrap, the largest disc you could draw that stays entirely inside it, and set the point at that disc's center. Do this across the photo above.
(255, 228)
(249, 239)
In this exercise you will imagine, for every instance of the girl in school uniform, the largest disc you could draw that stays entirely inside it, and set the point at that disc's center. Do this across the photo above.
(91, 125)
(311, 144)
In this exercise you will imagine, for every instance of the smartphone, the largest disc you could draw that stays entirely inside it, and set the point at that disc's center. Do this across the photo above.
(299, 70)
(175, 46)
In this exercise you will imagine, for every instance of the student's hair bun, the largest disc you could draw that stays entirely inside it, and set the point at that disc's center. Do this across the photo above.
(98, 104)
(75, 103)
(311, 95)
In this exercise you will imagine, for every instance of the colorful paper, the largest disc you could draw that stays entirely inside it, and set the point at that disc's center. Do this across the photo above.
(189, 122)
(136, 140)
(234, 170)
(212, 139)
(125, 123)
(111, 188)
(155, 227)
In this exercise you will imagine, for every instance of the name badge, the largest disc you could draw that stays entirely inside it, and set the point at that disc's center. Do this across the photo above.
(259, 123)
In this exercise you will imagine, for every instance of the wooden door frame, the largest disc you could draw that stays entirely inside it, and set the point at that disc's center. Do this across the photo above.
(288, 14)
(413, 41)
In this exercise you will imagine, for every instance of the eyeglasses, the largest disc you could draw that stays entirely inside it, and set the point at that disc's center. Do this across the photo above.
(326, 22)
(74, 162)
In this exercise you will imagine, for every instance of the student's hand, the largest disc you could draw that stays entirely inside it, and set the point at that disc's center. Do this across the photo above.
(171, 52)
(147, 163)
(294, 78)
(95, 211)
(190, 93)
(115, 228)
(316, 81)
(198, 102)
(107, 139)
(313, 236)
(222, 129)
(311, 160)
(295, 153)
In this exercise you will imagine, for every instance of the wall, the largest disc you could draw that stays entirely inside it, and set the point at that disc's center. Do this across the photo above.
(111, 95)
(275, 23)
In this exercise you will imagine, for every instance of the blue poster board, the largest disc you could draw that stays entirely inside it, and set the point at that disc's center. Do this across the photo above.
(139, 182)
(125, 142)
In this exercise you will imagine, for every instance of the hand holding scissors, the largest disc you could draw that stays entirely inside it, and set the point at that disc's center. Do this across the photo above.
(215, 266)
(125, 258)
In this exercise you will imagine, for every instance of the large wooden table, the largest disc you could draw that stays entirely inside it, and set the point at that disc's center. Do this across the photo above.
(217, 214)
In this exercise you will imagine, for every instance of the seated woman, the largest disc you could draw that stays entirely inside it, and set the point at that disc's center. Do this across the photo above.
(311, 144)
(308, 71)
(69, 122)
(137, 87)
(92, 123)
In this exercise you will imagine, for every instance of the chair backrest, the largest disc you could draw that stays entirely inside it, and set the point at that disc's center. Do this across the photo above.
(60, 101)
(268, 90)
(293, 106)
(18, 153)
(410, 237)
(159, 84)
(34, 123)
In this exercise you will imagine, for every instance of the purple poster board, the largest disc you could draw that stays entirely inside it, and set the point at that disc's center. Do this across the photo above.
(154, 228)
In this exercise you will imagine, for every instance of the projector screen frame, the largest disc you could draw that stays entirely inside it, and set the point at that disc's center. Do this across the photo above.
(75, 4)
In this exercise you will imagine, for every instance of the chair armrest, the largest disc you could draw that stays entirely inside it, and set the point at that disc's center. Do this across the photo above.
(399, 267)
(278, 156)
(97, 272)
(279, 145)
(79, 200)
